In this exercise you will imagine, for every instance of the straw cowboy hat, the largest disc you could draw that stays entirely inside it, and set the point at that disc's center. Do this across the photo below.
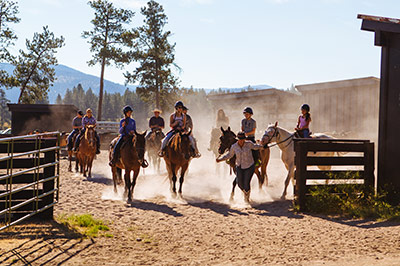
(157, 110)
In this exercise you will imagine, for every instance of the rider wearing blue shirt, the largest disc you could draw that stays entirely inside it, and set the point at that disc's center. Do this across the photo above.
(127, 127)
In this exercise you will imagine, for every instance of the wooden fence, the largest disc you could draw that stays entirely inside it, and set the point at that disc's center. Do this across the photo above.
(29, 177)
(355, 154)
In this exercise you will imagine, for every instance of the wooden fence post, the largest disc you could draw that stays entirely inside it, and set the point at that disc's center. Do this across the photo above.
(369, 166)
(300, 174)
(49, 157)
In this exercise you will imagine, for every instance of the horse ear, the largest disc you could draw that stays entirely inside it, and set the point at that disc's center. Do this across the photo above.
(144, 133)
(229, 129)
(136, 132)
(276, 124)
(190, 132)
(222, 129)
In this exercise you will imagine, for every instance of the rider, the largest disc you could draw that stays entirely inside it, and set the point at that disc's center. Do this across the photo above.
(77, 127)
(189, 126)
(303, 123)
(244, 162)
(156, 123)
(87, 120)
(177, 122)
(222, 119)
(127, 126)
(249, 128)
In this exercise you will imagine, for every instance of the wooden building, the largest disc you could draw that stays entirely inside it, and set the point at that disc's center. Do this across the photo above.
(268, 105)
(348, 107)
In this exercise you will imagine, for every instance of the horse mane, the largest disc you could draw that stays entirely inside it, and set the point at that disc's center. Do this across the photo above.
(176, 142)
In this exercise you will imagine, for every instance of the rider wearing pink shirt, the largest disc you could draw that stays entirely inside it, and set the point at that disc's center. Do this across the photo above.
(303, 123)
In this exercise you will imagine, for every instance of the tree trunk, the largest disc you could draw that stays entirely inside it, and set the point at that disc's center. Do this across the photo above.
(99, 109)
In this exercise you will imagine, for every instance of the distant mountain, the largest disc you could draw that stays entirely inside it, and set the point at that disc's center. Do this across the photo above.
(67, 78)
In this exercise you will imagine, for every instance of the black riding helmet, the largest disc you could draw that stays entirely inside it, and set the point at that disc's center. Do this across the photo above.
(248, 110)
(305, 107)
(127, 109)
(179, 104)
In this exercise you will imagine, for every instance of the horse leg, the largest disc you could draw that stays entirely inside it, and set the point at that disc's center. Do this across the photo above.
(233, 190)
(90, 167)
(183, 170)
(114, 175)
(76, 164)
(128, 184)
(84, 166)
(70, 161)
(260, 178)
(287, 181)
(173, 170)
(135, 175)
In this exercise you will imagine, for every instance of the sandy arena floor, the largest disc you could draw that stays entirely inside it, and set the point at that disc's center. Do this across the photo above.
(203, 229)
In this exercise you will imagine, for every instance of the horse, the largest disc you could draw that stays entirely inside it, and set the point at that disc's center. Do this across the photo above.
(153, 148)
(284, 139)
(71, 154)
(131, 158)
(227, 139)
(177, 156)
(87, 151)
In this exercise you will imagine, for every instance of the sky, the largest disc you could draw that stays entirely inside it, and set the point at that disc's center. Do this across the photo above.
(233, 43)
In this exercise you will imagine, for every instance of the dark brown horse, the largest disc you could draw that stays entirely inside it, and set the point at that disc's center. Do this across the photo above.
(177, 156)
(87, 151)
(153, 146)
(227, 139)
(131, 158)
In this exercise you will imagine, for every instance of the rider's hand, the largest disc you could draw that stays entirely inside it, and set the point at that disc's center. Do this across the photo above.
(123, 124)
(132, 132)
(218, 160)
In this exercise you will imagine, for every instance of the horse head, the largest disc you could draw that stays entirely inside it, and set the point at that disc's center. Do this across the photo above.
(184, 144)
(227, 139)
(90, 135)
(271, 133)
(139, 141)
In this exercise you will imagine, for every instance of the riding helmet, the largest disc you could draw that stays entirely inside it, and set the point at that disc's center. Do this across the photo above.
(305, 107)
(80, 113)
(248, 110)
(179, 104)
(127, 109)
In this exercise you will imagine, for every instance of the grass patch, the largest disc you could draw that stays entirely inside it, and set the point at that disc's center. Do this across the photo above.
(353, 201)
(85, 224)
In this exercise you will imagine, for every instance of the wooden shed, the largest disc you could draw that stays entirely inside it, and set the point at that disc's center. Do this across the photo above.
(43, 117)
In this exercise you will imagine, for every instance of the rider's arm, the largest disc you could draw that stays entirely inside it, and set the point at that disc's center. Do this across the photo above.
(172, 123)
(255, 146)
(228, 156)
(121, 127)
(253, 132)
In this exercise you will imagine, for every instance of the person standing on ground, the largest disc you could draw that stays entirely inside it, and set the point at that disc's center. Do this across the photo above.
(244, 162)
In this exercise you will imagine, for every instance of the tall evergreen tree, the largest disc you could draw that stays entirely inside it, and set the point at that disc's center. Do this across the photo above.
(59, 99)
(156, 57)
(108, 39)
(8, 14)
(34, 69)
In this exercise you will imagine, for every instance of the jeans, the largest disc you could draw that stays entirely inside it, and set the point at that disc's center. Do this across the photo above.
(166, 139)
(117, 148)
(304, 133)
(71, 136)
(243, 177)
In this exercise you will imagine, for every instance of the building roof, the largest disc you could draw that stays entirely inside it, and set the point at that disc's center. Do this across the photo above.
(380, 19)
(42, 108)
(245, 94)
(358, 82)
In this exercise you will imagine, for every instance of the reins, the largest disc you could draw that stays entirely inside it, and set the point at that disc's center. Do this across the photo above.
(280, 142)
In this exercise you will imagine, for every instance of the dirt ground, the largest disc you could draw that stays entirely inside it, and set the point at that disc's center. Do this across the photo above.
(201, 229)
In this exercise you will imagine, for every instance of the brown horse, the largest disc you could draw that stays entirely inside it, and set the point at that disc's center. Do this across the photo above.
(177, 156)
(153, 148)
(87, 151)
(227, 139)
(131, 158)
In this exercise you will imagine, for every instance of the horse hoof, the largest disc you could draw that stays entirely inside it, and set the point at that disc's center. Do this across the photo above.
(173, 194)
(283, 197)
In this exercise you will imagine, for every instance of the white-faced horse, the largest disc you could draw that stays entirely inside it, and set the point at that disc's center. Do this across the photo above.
(284, 140)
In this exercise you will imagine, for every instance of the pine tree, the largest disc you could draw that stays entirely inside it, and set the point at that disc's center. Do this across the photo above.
(34, 69)
(156, 57)
(108, 38)
(59, 99)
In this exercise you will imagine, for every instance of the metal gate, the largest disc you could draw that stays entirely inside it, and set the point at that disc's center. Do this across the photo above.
(29, 177)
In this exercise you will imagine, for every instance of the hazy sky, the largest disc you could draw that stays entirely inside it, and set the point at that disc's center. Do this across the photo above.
(234, 43)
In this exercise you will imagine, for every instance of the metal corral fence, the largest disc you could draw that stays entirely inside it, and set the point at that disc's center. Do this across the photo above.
(107, 127)
(352, 153)
(29, 177)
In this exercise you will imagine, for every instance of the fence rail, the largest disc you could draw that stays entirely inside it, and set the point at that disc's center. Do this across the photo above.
(29, 177)
(306, 150)
(107, 127)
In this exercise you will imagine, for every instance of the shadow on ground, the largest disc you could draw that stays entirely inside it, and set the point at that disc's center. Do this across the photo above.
(41, 243)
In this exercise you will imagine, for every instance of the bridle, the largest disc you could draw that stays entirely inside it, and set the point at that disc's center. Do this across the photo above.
(276, 134)
(139, 149)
